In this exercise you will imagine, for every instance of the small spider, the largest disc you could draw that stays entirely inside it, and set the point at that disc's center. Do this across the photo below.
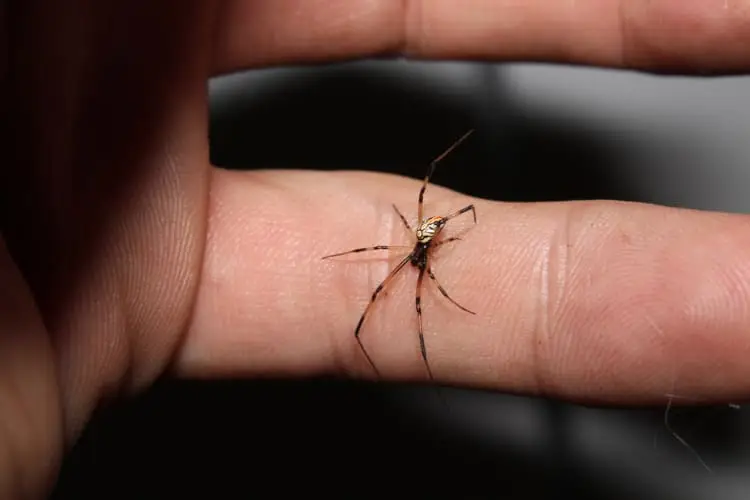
(426, 234)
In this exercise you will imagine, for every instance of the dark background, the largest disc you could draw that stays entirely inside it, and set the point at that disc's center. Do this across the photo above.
(542, 133)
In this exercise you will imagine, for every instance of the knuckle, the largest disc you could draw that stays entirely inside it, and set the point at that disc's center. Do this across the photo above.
(554, 266)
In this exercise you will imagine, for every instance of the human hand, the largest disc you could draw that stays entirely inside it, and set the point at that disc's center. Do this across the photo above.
(128, 255)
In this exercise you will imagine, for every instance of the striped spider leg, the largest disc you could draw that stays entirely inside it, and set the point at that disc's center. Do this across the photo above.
(425, 241)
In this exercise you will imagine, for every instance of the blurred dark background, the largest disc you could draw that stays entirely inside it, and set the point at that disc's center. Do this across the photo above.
(542, 133)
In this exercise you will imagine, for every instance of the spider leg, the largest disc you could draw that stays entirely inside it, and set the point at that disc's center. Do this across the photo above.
(422, 347)
(366, 249)
(451, 216)
(403, 219)
(375, 294)
(445, 294)
(432, 170)
(463, 211)
(447, 240)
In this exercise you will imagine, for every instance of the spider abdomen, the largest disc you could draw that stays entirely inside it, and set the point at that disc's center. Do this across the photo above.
(419, 255)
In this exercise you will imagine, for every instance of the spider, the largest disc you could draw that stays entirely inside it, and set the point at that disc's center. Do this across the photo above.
(426, 240)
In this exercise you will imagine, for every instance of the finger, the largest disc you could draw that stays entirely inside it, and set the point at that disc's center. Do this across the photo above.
(594, 301)
(105, 199)
(678, 35)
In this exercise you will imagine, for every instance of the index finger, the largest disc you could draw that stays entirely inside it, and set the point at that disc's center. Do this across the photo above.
(664, 35)
(588, 301)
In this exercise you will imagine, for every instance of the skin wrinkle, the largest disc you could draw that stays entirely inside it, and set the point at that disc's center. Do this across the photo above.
(541, 328)
(376, 266)
(554, 266)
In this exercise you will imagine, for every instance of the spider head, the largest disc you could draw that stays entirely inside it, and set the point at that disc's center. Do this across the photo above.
(430, 228)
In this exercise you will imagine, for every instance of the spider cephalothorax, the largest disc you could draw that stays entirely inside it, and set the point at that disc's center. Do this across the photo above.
(430, 228)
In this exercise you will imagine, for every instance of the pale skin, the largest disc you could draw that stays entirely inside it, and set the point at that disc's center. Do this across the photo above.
(125, 254)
